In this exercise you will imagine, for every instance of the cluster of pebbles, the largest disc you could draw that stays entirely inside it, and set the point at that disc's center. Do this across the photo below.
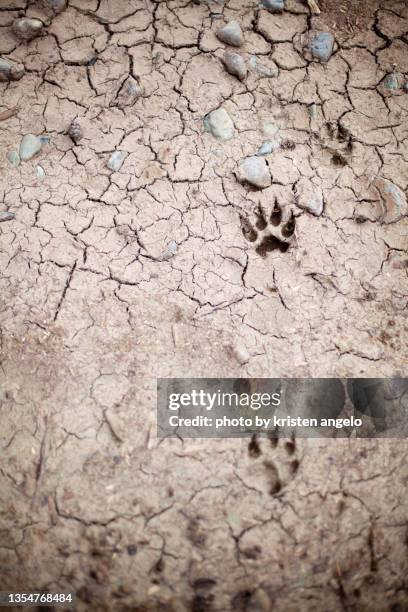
(252, 170)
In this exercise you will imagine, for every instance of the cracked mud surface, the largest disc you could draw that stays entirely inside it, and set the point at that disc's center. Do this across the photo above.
(113, 278)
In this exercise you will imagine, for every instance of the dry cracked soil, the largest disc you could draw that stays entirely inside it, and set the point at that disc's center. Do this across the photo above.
(169, 263)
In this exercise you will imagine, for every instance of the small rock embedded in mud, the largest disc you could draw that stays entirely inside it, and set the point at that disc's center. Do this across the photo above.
(57, 5)
(6, 216)
(321, 46)
(14, 158)
(116, 160)
(231, 34)
(129, 92)
(390, 83)
(26, 28)
(393, 201)
(9, 71)
(40, 172)
(268, 147)
(273, 6)
(265, 69)
(254, 170)
(30, 146)
(242, 354)
(220, 124)
(235, 64)
(309, 197)
(259, 601)
(75, 131)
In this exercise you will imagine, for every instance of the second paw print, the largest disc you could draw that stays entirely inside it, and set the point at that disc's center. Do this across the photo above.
(270, 231)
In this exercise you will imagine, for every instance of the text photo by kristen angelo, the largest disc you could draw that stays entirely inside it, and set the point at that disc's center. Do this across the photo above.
(223, 408)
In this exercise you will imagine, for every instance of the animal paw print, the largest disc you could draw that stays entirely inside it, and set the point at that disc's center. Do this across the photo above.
(271, 464)
(337, 141)
(270, 233)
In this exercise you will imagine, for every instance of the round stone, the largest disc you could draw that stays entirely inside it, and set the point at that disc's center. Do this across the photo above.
(254, 170)
(220, 124)
(26, 28)
(9, 71)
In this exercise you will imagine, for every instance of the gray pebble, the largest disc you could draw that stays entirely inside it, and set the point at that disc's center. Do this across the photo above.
(273, 6)
(116, 160)
(45, 139)
(57, 5)
(6, 216)
(309, 197)
(220, 124)
(30, 146)
(322, 45)
(268, 147)
(269, 70)
(234, 64)
(390, 82)
(254, 170)
(231, 34)
(14, 158)
(26, 28)
(9, 71)
(40, 172)
(129, 92)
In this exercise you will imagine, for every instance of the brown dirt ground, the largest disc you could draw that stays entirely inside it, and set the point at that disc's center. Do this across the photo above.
(95, 306)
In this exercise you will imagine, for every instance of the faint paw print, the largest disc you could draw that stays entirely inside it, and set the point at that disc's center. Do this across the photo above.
(270, 232)
(271, 464)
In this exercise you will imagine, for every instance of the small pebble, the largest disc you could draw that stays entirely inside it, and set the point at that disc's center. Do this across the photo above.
(393, 201)
(273, 6)
(254, 170)
(231, 34)
(265, 69)
(390, 82)
(268, 147)
(234, 64)
(45, 139)
(259, 601)
(75, 131)
(309, 197)
(220, 124)
(26, 28)
(39, 171)
(129, 92)
(6, 216)
(30, 146)
(312, 110)
(14, 158)
(116, 160)
(57, 5)
(9, 71)
(241, 354)
(322, 45)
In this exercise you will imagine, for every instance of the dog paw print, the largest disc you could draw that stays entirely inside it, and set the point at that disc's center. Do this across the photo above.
(270, 232)
(270, 464)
